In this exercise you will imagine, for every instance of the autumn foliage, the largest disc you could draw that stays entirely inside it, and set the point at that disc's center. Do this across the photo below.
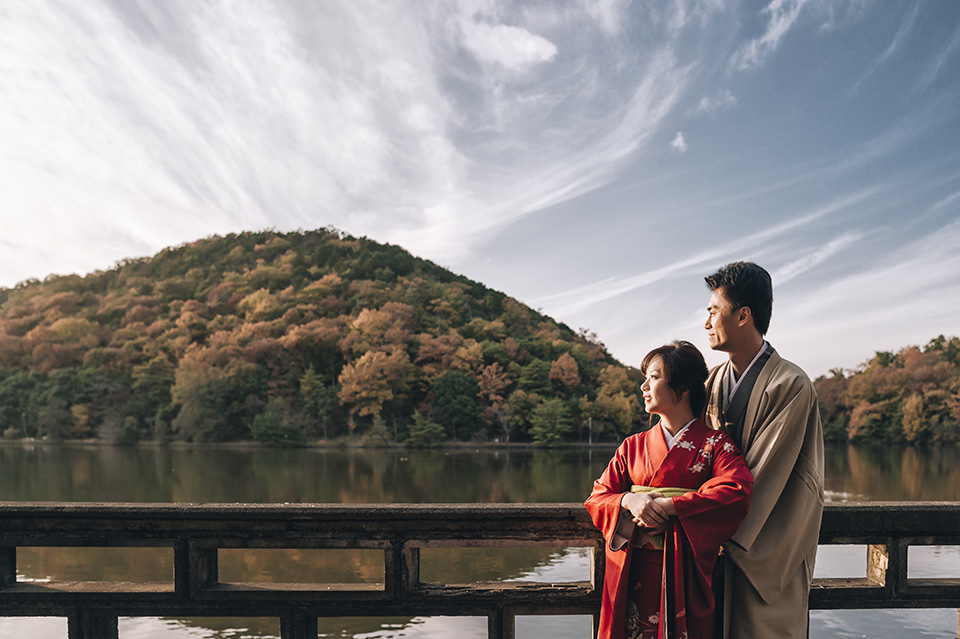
(910, 396)
(292, 337)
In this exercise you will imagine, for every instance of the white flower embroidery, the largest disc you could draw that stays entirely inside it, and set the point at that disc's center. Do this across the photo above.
(654, 619)
(728, 447)
(713, 439)
(697, 468)
(707, 454)
(685, 445)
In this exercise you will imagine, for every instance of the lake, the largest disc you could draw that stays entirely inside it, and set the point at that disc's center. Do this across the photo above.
(223, 475)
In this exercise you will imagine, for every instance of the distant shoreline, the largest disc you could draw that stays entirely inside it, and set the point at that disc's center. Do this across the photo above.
(316, 444)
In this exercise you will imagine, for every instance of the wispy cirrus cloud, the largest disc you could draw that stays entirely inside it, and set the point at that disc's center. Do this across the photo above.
(569, 303)
(782, 15)
(896, 44)
(430, 125)
(787, 272)
(933, 71)
(921, 272)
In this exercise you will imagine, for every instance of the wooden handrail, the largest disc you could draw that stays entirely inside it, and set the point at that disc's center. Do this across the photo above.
(196, 533)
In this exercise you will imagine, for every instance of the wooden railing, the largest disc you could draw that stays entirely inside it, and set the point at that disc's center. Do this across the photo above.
(196, 534)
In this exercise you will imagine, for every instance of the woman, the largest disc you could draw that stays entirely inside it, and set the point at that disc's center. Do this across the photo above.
(666, 502)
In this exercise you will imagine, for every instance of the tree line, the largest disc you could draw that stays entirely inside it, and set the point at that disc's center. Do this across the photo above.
(317, 335)
(292, 337)
(912, 396)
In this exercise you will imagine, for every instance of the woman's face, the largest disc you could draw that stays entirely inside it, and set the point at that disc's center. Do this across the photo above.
(658, 397)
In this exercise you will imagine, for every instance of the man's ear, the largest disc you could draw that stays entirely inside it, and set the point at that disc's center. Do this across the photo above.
(744, 314)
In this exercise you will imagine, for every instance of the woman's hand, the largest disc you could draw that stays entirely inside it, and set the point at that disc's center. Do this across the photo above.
(649, 509)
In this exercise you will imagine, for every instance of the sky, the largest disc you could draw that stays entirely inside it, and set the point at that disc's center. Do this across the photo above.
(594, 159)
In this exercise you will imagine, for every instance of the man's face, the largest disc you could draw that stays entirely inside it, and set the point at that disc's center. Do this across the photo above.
(721, 321)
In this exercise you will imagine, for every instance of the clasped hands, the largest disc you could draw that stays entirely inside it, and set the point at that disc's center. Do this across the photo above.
(651, 510)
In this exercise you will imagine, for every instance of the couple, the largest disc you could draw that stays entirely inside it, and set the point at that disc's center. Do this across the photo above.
(672, 496)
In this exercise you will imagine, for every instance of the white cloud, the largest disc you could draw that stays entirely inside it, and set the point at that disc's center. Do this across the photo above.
(678, 143)
(724, 100)
(783, 13)
(512, 47)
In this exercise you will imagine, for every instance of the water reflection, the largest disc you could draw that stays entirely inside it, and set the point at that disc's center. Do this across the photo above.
(213, 475)
(893, 473)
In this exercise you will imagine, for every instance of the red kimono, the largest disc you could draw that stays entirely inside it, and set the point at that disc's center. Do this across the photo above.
(702, 459)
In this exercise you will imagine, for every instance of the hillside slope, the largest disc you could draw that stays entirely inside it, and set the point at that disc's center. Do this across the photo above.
(288, 337)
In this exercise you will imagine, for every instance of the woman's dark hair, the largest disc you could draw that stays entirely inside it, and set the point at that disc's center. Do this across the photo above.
(683, 370)
(746, 284)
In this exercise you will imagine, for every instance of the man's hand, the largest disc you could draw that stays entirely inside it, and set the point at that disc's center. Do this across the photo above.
(649, 509)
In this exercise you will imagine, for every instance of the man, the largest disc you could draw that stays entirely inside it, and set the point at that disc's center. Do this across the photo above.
(769, 406)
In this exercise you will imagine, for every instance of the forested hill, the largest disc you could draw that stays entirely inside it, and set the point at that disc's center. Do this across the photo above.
(909, 396)
(297, 336)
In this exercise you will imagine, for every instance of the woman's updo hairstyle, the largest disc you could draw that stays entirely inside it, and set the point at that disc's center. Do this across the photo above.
(683, 369)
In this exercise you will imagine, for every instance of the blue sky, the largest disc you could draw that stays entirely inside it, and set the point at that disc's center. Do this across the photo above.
(594, 158)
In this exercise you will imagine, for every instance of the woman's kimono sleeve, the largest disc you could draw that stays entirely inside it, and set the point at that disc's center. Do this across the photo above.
(603, 504)
(711, 515)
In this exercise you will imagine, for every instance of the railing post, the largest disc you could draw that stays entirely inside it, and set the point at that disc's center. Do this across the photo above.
(8, 567)
(203, 567)
(401, 565)
(410, 559)
(501, 624)
(88, 625)
(296, 626)
(898, 566)
(181, 569)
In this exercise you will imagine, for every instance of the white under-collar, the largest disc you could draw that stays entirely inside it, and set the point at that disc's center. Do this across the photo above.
(670, 439)
(734, 384)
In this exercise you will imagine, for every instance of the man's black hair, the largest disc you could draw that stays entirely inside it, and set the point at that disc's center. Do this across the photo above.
(746, 284)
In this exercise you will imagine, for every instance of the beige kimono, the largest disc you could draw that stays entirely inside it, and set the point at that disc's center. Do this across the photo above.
(774, 550)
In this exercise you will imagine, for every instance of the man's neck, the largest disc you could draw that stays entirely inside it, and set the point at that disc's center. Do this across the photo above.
(741, 358)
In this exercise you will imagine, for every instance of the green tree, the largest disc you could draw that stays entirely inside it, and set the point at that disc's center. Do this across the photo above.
(152, 382)
(424, 432)
(550, 422)
(17, 413)
(319, 400)
(455, 402)
(535, 378)
(275, 425)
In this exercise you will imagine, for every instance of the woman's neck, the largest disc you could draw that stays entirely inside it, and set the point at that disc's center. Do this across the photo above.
(676, 420)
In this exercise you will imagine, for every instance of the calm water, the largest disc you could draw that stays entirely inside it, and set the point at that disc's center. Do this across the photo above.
(77, 473)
